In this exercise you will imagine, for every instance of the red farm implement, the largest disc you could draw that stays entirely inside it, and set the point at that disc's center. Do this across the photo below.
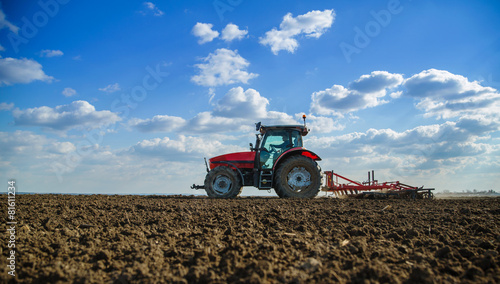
(342, 186)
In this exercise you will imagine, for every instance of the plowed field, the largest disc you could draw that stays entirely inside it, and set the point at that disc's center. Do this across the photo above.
(157, 239)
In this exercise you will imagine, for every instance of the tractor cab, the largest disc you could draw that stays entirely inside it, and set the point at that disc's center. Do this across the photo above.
(276, 140)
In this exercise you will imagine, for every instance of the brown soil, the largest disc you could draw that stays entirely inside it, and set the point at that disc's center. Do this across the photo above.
(96, 238)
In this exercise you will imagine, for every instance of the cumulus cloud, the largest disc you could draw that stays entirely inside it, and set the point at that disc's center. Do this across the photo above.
(232, 32)
(186, 146)
(51, 53)
(23, 71)
(237, 110)
(6, 106)
(4, 23)
(320, 124)
(20, 149)
(61, 147)
(243, 104)
(65, 117)
(206, 122)
(446, 95)
(312, 24)
(479, 124)
(423, 148)
(152, 7)
(111, 88)
(21, 142)
(377, 81)
(42, 160)
(439, 93)
(204, 32)
(365, 92)
(68, 92)
(223, 67)
(159, 123)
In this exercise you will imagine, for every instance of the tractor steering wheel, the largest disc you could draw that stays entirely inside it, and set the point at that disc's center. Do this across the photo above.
(274, 148)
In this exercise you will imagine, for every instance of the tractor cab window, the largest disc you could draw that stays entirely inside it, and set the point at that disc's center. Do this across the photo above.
(275, 143)
(296, 139)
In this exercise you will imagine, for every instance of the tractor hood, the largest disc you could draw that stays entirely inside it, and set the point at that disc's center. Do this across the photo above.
(238, 160)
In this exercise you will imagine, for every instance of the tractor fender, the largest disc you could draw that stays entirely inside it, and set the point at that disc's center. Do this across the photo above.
(231, 166)
(296, 151)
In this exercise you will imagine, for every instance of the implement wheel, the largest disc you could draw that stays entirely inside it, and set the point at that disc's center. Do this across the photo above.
(298, 177)
(223, 182)
(427, 195)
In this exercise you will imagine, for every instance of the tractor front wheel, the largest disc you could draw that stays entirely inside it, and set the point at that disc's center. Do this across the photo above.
(299, 177)
(223, 182)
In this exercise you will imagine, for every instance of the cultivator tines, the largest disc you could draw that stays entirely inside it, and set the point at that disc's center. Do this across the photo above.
(342, 186)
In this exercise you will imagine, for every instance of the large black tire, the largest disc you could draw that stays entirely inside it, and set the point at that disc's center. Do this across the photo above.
(223, 182)
(298, 177)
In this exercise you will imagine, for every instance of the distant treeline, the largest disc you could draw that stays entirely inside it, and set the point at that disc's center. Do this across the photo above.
(474, 191)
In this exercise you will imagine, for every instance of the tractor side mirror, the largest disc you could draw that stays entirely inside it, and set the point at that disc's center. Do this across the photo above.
(251, 147)
(257, 126)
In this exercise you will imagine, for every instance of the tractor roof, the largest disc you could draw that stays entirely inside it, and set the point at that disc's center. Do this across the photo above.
(264, 128)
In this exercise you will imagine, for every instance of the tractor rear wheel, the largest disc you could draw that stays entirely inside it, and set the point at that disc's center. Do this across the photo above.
(223, 182)
(299, 177)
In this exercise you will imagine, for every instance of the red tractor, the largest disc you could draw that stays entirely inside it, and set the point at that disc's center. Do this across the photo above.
(277, 161)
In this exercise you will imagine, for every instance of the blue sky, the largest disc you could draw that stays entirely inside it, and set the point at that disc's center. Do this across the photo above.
(129, 96)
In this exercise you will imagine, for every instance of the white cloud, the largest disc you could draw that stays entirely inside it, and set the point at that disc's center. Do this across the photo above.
(206, 122)
(4, 23)
(242, 104)
(51, 53)
(223, 67)
(311, 24)
(204, 32)
(365, 92)
(33, 154)
(21, 142)
(61, 147)
(159, 123)
(377, 81)
(6, 106)
(22, 71)
(396, 95)
(278, 118)
(185, 146)
(479, 124)
(424, 149)
(439, 93)
(152, 7)
(41, 161)
(68, 92)
(111, 88)
(320, 124)
(236, 111)
(337, 100)
(232, 32)
(446, 95)
(64, 117)
(2, 48)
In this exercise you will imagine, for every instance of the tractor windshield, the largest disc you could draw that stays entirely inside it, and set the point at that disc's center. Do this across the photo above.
(277, 142)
